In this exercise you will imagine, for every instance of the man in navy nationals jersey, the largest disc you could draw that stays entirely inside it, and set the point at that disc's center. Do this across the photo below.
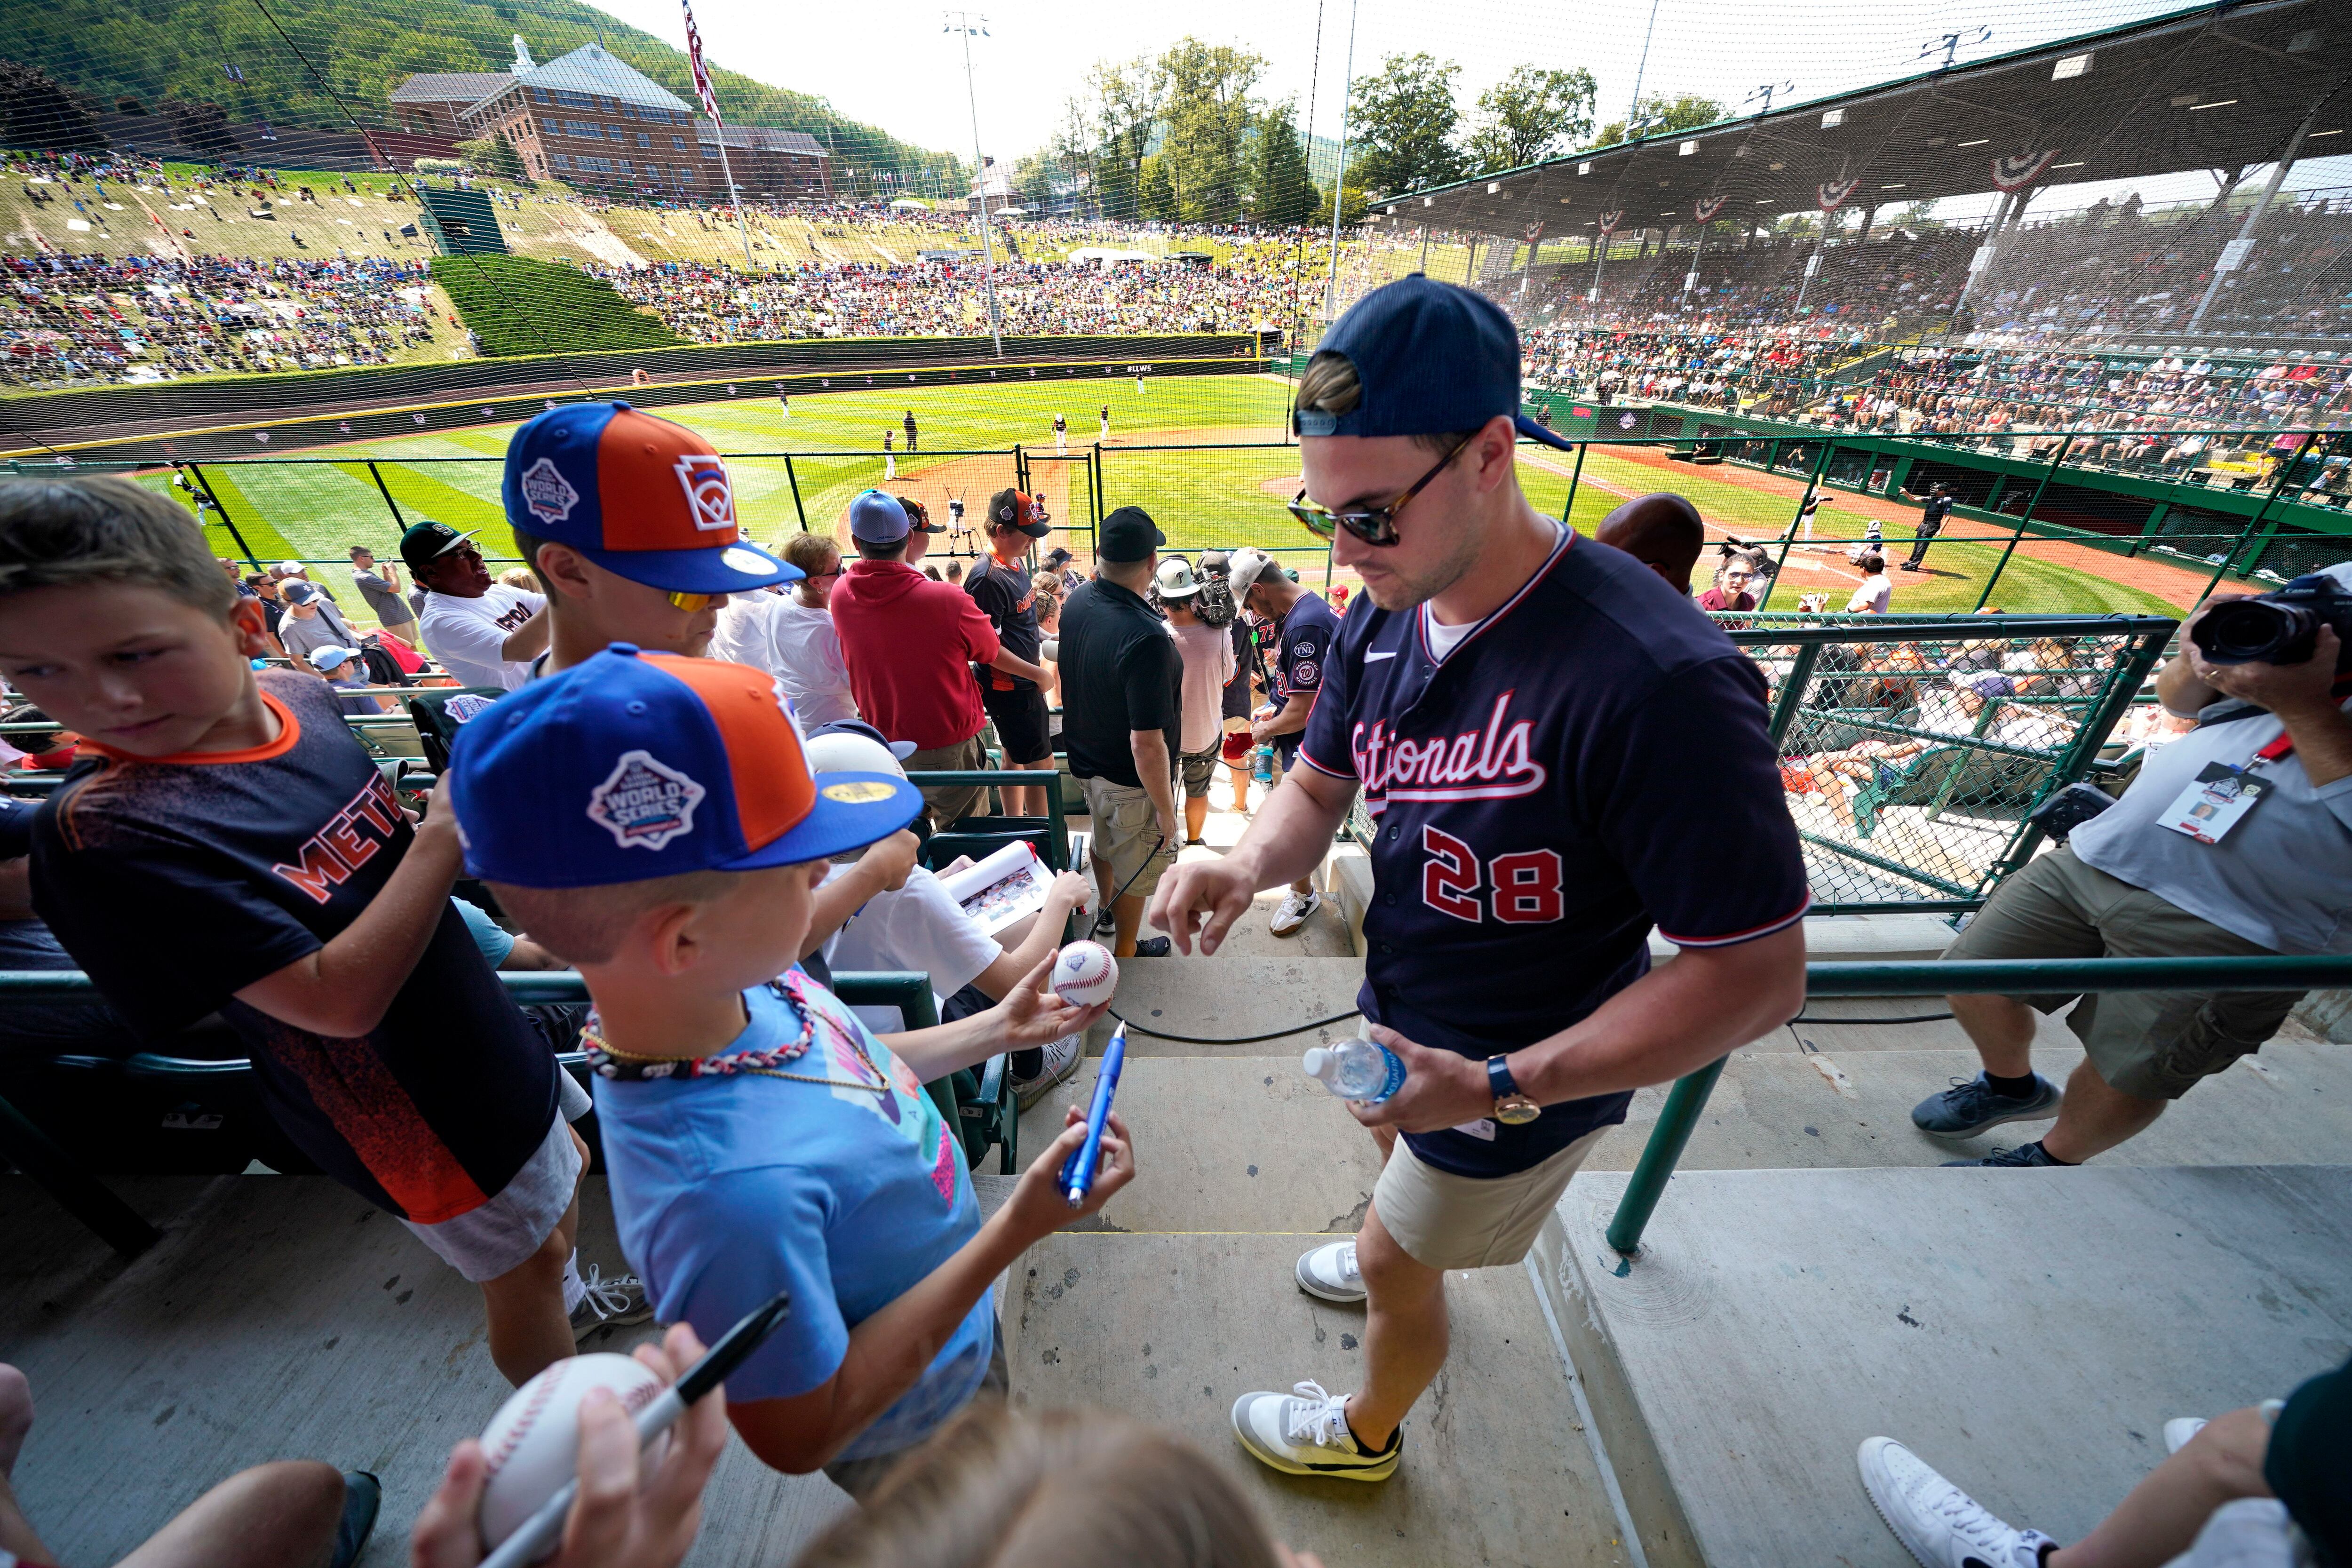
(1556, 748)
(1306, 629)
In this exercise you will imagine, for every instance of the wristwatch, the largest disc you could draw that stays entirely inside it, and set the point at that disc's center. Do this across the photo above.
(1511, 1107)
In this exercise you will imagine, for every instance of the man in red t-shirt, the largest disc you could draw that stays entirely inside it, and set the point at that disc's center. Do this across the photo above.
(910, 644)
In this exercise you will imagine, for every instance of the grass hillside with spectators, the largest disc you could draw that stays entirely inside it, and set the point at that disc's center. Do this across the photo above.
(518, 306)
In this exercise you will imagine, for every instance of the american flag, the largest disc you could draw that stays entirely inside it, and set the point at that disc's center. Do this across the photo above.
(701, 73)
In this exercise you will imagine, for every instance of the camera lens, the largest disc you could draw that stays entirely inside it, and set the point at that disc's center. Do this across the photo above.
(2248, 631)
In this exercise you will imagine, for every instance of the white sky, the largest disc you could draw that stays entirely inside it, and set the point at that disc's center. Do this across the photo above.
(889, 63)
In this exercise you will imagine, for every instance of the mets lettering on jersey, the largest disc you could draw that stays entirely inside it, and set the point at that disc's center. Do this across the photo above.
(1588, 761)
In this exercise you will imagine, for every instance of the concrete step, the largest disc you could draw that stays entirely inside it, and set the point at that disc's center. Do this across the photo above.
(2011, 1327)
(282, 1317)
(1249, 1143)
(1233, 996)
(1499, 1465)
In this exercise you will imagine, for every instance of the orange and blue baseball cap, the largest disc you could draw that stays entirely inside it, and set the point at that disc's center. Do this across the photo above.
(633, 765)
(641, 497)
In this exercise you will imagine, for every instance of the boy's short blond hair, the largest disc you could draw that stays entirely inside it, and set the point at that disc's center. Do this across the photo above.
(63, 534)
(810, 552)
(586, 925)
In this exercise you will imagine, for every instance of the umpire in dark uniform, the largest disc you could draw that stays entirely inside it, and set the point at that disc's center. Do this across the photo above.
(1534, 723)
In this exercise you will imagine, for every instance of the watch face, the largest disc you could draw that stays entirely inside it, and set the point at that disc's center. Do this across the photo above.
(1517, 1110)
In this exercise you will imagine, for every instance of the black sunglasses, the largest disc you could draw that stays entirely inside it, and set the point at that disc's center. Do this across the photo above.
(1376, 526)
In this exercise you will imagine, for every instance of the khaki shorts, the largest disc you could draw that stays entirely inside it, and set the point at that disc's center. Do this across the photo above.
(1124, 827)
(1445, 1221)
(2152, 1044)
(948, 801)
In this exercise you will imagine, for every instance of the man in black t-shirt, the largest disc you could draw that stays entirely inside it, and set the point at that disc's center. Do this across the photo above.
(1001, 585)
(1122, 718)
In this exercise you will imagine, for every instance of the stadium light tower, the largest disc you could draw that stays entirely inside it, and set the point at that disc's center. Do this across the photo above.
(967, 24)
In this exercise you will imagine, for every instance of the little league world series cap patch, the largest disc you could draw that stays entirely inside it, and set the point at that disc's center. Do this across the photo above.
(641, 497)
(630, 766)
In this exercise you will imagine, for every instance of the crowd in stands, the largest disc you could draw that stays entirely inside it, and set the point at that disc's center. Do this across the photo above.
(720, 304)
(89, 317)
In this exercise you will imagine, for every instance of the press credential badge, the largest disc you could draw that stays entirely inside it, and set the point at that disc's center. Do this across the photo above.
(2217, 802)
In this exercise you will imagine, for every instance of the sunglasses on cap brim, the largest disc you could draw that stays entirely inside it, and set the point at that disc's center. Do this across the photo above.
(1376, 526)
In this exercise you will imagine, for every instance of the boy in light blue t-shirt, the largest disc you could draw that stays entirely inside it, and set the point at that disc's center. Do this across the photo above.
(653, 820)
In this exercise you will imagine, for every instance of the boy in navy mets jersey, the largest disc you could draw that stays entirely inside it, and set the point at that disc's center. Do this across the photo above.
(238, 816)
(1558, 752)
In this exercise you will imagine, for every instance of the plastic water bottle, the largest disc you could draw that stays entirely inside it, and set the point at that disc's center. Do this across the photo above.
(1356, 1069)
(1262, 767)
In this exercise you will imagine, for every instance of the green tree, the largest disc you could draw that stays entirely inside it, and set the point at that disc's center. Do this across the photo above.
(1402, 123)
(37, 110)
(1279, 189)
(351, 56)
(1206, 113)
(1661, 116)
(1530, 115)
(492, 155)
(1157, 190)
(1123, 105)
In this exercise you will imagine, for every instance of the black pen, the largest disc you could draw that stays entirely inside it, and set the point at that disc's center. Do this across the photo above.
(537, 1535)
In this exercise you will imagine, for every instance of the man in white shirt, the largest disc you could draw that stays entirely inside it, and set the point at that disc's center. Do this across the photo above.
(803, 649)
(743, 635)
(2234, 840)
(482, 632)
(1876, 591)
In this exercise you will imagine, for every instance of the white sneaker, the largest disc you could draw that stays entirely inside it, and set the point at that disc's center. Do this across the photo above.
(609, 1303)
(1938, 1524)
(1295, 908)
(1330, 1272)
(1061, 1059)
(1305, 1432)
(2180, 1429)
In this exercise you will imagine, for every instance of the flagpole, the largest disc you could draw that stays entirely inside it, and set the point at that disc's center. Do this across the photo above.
(736, 194)
(709, 96)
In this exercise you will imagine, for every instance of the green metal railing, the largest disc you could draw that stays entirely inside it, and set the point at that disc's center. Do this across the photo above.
(25, 1146)
(1687, 1102)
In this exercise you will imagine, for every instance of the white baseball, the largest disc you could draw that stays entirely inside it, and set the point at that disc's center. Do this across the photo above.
(533, 1442)
(1085, 973)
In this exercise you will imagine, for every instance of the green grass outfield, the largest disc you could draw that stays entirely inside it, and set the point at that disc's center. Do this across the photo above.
(315, 508)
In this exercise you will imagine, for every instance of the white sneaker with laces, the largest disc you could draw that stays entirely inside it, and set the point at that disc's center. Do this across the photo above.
(1305, 1433)
(2180, 1429)
(613, 1303)
(1061, 1059)
(1328, 1273)
(1293, 912)
(1937, 1523)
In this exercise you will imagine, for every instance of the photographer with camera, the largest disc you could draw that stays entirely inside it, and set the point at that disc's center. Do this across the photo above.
(2234, 839)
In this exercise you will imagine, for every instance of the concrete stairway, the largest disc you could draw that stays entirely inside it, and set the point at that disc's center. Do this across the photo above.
(1181, 1297)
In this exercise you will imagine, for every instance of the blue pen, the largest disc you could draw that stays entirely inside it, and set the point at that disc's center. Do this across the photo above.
(1078, 1170)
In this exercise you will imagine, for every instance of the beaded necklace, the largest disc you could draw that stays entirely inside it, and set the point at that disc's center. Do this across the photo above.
(626, 1066)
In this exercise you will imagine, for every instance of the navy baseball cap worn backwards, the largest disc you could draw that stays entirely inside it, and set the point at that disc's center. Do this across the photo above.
(630, 766)
(643, 498)
(1431, 358)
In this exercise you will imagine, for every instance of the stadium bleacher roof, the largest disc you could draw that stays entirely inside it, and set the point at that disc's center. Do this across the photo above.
(2220, 87)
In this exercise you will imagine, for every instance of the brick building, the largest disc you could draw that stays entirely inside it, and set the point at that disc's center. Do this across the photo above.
(593, 120)
(430, 104)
